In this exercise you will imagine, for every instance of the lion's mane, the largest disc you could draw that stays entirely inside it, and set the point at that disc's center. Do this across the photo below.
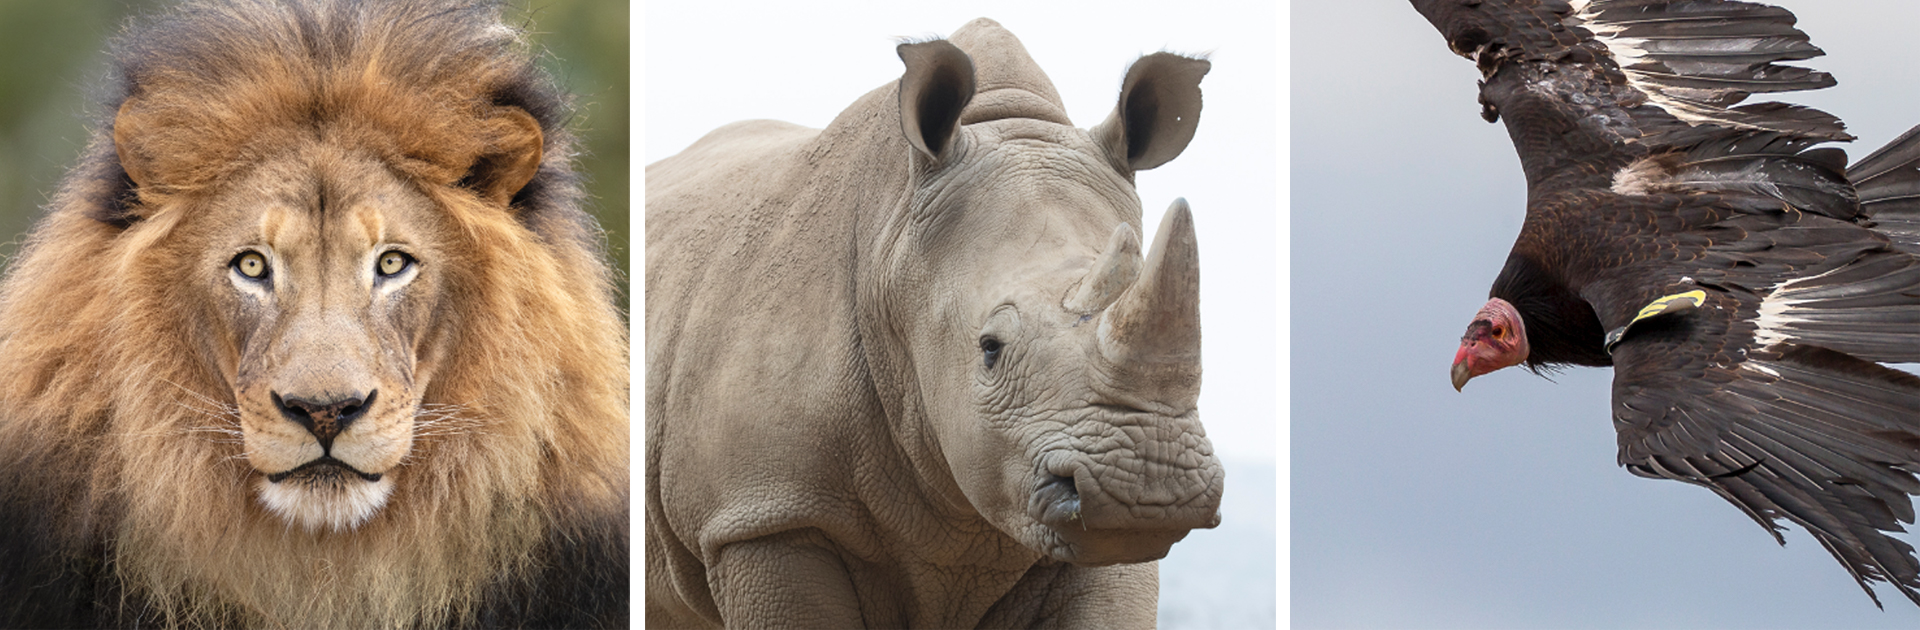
(124, 498)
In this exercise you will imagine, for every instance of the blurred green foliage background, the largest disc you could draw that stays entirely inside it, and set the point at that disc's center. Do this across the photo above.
(53, 61)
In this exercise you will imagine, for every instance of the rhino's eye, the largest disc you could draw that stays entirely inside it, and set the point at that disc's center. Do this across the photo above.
(990, 349)
(250, 264)
(394, 262)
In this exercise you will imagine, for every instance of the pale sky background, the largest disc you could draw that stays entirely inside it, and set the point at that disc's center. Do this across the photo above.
(1413, 506)
(708, 64)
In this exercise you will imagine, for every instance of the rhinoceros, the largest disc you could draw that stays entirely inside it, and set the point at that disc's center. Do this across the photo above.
(913, 370)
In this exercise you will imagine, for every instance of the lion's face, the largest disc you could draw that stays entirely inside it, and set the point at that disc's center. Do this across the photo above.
(317, 334)
(323, 270)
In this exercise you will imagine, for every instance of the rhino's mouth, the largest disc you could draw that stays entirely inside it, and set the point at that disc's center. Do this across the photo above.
(1079, 523)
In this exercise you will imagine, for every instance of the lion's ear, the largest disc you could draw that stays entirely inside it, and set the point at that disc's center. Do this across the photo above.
(511, 159)
(126, 129)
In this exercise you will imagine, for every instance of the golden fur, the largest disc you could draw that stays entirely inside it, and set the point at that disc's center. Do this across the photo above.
(129, 447)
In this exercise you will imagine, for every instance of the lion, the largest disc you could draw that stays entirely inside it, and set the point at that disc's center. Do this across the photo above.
(316, 334)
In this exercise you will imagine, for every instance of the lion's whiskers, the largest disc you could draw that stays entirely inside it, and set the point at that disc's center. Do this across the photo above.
(443, 420)
(225, 415)
(437, 420)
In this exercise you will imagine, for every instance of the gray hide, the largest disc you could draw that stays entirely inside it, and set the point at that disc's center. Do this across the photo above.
(913, 369)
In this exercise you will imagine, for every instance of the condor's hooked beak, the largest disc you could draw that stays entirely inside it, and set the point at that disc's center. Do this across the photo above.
(1496, 339)
(1461, 373)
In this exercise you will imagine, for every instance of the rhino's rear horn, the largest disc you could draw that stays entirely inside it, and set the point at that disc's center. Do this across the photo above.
(1157, 320)
(1116, 269)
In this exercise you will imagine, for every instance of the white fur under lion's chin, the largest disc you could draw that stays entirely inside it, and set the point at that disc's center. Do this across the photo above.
(338, 503)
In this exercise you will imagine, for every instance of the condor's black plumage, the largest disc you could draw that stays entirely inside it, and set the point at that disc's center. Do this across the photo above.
(1741, 280)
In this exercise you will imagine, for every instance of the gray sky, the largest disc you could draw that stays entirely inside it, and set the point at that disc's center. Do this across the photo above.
(1414, 506)
(804, 62)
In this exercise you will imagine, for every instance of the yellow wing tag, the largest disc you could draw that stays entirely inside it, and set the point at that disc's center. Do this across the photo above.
(1672, 304)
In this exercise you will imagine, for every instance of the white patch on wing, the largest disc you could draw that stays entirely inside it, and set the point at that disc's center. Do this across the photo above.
(1640, 177)
(1760, 368)
(1686, 104)
(1659, 174)
(1777, 312)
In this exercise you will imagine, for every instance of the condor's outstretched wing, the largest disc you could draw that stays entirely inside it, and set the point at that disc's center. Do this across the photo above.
(1745, 291)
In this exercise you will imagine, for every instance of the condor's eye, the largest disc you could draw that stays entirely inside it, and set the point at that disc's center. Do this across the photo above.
(990, 349)
(392, 263)
(251, 264)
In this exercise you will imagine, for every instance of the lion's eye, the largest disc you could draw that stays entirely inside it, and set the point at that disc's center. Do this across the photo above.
(250, 264)
(392, 263)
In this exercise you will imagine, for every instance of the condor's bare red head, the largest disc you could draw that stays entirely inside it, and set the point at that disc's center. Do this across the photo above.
(1496, 339)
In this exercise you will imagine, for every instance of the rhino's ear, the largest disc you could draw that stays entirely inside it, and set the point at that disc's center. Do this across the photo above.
(1158, 111)
(937, 85)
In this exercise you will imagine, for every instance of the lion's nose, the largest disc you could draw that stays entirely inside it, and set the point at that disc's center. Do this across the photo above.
(325, 419)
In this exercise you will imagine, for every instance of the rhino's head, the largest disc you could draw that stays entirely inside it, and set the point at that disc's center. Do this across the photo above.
(1041, 363)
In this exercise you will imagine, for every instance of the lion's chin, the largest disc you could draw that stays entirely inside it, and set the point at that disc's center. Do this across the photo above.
(326, 498)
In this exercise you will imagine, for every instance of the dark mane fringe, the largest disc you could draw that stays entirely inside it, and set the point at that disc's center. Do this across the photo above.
(207, 45)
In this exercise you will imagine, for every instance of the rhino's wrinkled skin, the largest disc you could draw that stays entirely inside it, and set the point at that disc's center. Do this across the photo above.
(914, 370)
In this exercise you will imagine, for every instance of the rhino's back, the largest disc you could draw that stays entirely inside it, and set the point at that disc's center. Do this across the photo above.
(751, 243)
(708, 182)
(734, 147)
(760, 408)
(752, 361)
(708, 210)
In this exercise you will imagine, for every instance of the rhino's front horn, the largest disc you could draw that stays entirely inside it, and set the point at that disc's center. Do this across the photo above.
(1157, 320)
(1116, 269)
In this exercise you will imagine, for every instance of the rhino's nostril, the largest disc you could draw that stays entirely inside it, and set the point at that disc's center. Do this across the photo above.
(1056, 502)
(1065, 483)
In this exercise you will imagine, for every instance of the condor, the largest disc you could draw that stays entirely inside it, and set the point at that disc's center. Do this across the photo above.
(1744, 283)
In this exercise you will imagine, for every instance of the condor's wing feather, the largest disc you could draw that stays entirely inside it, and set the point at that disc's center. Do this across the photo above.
(1888, 181)
(1643, 96)
(1814, 436)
